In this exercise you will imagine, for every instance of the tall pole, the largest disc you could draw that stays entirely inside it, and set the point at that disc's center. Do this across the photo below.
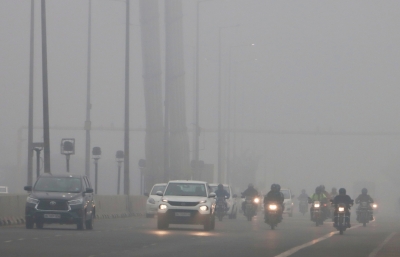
(126, 137)
(96, 165)
(88, 104)
(166, 134)
(119, 176)
(46, 131)
(30, 122)
(219, 107)
(196, 123)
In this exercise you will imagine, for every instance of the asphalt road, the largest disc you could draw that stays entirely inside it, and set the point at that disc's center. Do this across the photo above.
(137, 236)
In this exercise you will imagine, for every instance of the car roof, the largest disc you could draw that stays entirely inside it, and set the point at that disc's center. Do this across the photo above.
(188, 181)
(160, 184)
(61, 175)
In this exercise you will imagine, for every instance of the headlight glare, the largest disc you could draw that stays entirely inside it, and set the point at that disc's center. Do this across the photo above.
(374, 206)
(272, 207)
(203, 208)
(341, 209)
(316, 205)
(163, 207)
(256, 200)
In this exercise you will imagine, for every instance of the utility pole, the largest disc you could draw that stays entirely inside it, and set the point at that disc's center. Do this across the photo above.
(126, 137)
(46, 130)
(30, 122)
(88, 104)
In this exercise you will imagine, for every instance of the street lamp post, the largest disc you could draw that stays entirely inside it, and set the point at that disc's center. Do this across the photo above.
(142, 165)
(120, 159)
(96, 152)
(68, 148)
(37, 147)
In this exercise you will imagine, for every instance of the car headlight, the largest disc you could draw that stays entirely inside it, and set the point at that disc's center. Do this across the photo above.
(341, 209)
(203, 208)
(151, 200)
(256, 200)
(374, 206)
(272, 207)
(163, 207)
(203, 201)
(76, 201)
(316, 205)
(32, 200)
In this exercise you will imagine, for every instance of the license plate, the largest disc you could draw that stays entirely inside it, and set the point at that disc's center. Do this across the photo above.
(182, 214)
(52, 216)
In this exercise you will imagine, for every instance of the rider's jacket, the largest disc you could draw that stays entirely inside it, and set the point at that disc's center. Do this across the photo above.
(319, 197)
(274, 196)
(364, 198)
(343, 199)
(221, 193)
(251, 192)
(303, 197)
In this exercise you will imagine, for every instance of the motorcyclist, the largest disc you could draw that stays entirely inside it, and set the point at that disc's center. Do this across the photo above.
(364, 197)
(317, 196)
(276, 196)
(222, 193)
(326, 208)
(345, 199)
(303, 198)
(249, 192)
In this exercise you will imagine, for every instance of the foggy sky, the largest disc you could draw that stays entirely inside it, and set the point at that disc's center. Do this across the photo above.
(323, 66)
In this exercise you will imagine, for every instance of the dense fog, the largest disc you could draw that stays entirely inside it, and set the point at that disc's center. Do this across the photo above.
(312, 85)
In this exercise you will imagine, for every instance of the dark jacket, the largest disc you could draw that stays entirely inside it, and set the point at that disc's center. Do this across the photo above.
(251, 192)
(221, 193)
(364, 198)
(274, 196)
(343, 199)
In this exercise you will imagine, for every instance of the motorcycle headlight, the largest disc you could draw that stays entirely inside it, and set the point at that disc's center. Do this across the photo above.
(256, 200)
(203, 208)
(163, 207)
(76, 201)
(341, 209)
(374, 206)
(151, 200)
(32, 200)
(272, 207)
(316, 205)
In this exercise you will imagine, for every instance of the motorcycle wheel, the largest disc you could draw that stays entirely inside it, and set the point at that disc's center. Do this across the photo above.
(220, 217)
(249, 218)
(317, 223)
(364, 224)
(272, 227)
(341, 231)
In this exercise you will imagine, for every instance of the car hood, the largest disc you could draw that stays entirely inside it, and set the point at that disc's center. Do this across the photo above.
(184, 198)
(54, 195)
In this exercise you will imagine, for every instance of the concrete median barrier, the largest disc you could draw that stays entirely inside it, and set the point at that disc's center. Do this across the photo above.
(12, 207)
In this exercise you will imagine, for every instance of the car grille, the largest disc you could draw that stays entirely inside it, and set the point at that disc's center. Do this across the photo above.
(53, 205)
(183, 203)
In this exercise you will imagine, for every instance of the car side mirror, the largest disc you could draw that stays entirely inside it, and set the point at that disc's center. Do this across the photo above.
(159, 193)
(146, 194)
(234, 196)
(28, 188)
(89, 190)
(212, 195)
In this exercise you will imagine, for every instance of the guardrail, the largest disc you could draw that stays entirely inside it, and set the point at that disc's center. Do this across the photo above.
(12, 207)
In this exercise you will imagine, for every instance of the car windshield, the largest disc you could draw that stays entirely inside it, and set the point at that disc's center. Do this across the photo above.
(286, 194)
(186, 189)
(53, 184)
(157, 188)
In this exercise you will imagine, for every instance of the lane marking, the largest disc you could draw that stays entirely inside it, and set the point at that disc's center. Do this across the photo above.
(377, 249)
(20, 239)
(312, 242)
(9, 241)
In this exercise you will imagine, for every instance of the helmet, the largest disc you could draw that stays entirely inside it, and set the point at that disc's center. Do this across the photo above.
(278, 187)
(220, 186)
(251, 185)
(322, 188)
(364, 191)
(303, 191)
(318, 190)
(342, 191)
(274, 187)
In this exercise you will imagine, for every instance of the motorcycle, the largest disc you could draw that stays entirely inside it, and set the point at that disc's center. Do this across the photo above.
(220, 208)
(364, 213)
(303, 206)
(342, 217)
(272, 214)
(250, 207)
(318, 215)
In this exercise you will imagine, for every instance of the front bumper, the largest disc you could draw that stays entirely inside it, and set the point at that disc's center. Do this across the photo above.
(72, 216)
(194, 217)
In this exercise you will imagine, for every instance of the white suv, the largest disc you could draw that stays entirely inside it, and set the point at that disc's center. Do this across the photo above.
(288, 202)
(231, 201)
(186, 202)
(153, 200)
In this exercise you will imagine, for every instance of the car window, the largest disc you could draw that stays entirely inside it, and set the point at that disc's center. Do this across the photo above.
(156, 189)
(214, 188)
(52, 184)
(186, 189)
(286, 194)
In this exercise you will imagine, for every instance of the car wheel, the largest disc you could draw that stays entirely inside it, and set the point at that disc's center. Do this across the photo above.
(29, 224)
(89, 223)
(149, 215)
(81, 223)
(39, 225)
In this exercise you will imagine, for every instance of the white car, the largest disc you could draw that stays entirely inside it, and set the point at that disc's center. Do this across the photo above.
(231, 201)
(186, 202)
(288, 202)
(153, 200)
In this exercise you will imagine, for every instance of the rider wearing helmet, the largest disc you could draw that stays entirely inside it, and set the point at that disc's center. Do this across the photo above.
(345, 199)
(303, 196)
(317, 196)
(249, 192)
(365, 197)
(275, 195)
(334, 193)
